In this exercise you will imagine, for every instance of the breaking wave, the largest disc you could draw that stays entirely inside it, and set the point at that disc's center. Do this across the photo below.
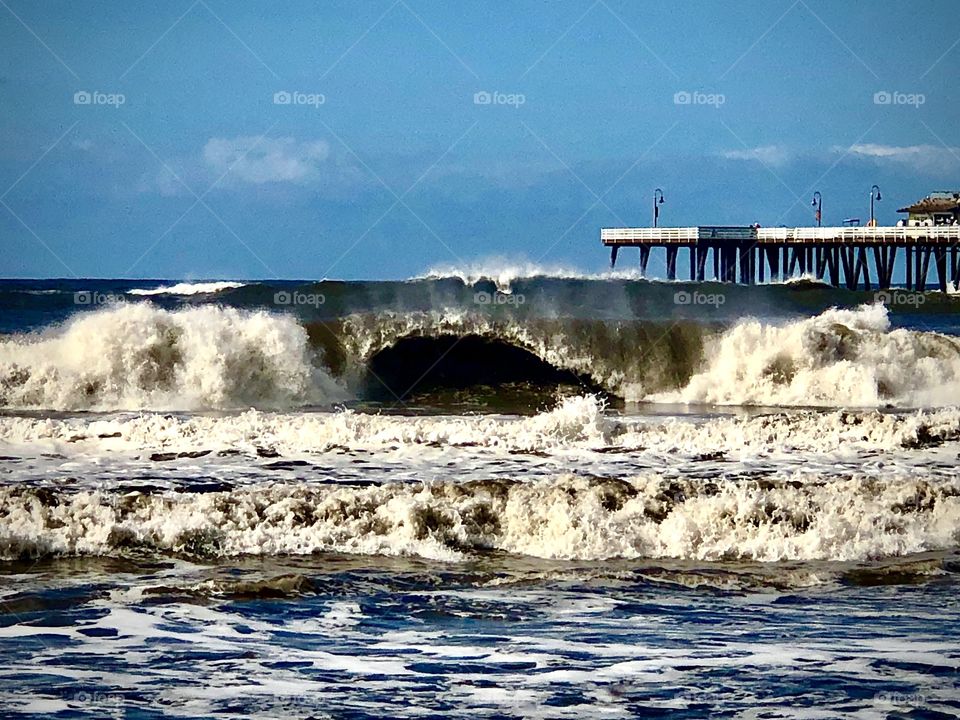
(839, 358)
(187, 288)
(138, 356)
(567, 517)
(141, 356)
(503, 272)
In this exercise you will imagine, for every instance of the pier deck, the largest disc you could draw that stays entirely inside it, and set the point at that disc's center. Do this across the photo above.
(745, 254)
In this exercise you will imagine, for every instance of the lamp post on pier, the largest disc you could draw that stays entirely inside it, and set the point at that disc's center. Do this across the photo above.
(818, 204)
(874, 195)
(656, 206)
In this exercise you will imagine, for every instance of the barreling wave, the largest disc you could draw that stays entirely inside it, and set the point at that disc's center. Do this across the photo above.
(840, 358)
(137, 356)
(567, 517)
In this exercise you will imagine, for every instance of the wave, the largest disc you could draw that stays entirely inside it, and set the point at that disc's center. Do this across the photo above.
(579, 424)
(565, 518)
(185, 288)
(503, 272)
(838, 358)
(137, 356)
(141, 356)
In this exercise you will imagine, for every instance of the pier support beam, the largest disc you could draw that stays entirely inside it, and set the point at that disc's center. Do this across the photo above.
(701, 262)
(672, 263)
(909, 273)
(941, 262)
(644, 258)
(954, 267)
(864, 267)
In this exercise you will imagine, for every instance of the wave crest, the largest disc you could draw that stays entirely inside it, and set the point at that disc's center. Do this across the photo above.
(137, 356)
(839, 358)
(186, 288)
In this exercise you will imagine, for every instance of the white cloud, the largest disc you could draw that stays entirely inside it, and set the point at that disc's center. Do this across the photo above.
(258, 161)
(266, 165)
(924, 158)
(766, 154)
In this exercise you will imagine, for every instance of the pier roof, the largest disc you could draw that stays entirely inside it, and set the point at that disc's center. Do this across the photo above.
(938, 202)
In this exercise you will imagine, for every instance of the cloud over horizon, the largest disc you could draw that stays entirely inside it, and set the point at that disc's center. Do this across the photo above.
(936, 159)
(260, 160)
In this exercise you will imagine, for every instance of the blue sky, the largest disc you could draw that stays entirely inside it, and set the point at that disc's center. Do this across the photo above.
(185, 163)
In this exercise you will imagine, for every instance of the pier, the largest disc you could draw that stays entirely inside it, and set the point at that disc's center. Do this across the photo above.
(838, 255)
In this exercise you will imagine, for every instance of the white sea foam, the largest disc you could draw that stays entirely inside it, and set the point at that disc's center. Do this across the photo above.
(839, 358)
(185, 288)
(578, 421)
(138, 356)
(577, 425)
(566, 517)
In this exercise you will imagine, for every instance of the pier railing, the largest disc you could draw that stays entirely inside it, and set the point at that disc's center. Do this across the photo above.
(869, 235)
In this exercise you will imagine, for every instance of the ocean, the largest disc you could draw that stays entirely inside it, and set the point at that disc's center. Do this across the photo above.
(509, 494)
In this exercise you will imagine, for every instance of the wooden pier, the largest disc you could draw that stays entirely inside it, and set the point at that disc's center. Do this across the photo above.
(838, 255)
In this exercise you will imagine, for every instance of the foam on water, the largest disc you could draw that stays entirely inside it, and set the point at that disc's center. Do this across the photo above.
(838, 358)
(577, 424)
(566, 517)
(139, 356)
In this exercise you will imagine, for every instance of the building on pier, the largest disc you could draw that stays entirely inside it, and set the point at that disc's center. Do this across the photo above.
(941, 207)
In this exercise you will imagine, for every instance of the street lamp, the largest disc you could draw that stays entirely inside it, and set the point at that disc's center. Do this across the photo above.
(818, 204)
(656, 205)
(874, 195)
